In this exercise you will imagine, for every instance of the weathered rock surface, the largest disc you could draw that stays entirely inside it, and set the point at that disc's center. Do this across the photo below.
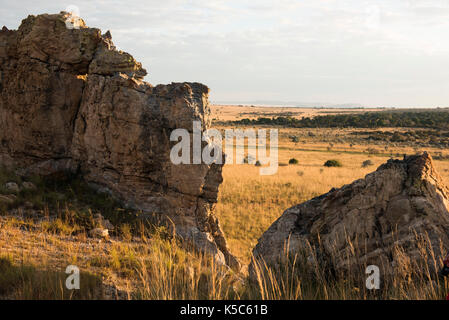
(69, 101)
(7, 199)
(12, 187)
(28, 186)
(365, 222)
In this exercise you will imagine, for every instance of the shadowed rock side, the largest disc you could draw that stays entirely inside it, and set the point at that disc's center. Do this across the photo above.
(69, 101)
(366, 221)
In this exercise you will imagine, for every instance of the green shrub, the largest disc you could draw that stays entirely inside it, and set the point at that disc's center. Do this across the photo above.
(333, 163)
(372, 151)
(249, 159)
(367, 163)
(292, 161)
(294, 139)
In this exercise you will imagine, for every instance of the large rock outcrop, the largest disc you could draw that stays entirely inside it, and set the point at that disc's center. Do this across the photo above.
(69, 101)
(375, 220)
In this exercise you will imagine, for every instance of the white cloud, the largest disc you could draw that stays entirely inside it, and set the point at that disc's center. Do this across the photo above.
(389, 52)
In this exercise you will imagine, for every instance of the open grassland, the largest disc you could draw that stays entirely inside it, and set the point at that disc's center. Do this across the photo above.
(248, 202)
(141, 261)
(236, 112)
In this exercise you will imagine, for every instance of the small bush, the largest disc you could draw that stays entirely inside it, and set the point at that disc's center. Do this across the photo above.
(248, 159)
(126, 232)
(367, 163)
(294, 139)
(372, 151)
(292, 161)
(440, 156)
(333, 163)
(258, 164)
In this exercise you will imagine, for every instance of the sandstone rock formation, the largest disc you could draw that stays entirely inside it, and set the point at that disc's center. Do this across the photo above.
(367, 221)
(69, 101)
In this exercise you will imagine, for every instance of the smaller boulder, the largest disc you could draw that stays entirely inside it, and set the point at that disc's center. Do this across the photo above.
(102, 222)
(29, 186)
(8, 199)
(12, 187)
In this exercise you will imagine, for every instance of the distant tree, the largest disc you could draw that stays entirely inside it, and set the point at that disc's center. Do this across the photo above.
(294, 139)
(367, 163)
(438, 119)
(333, 163)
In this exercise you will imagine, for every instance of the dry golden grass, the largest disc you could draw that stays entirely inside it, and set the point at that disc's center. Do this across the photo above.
(148, 267)
(32, 265)
(249, 203)
(301, 277)
(151, 266)
(235, 112)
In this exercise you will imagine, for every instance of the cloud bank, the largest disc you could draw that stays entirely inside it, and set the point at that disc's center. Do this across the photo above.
(374, 52)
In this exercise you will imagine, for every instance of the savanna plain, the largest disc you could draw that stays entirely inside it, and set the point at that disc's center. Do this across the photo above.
(142, 261)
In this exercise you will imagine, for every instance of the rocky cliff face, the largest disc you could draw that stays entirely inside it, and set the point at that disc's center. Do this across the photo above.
(69, 101)
(366, 222)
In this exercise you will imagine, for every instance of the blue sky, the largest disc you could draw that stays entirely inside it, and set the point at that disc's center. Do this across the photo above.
(373, 52)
